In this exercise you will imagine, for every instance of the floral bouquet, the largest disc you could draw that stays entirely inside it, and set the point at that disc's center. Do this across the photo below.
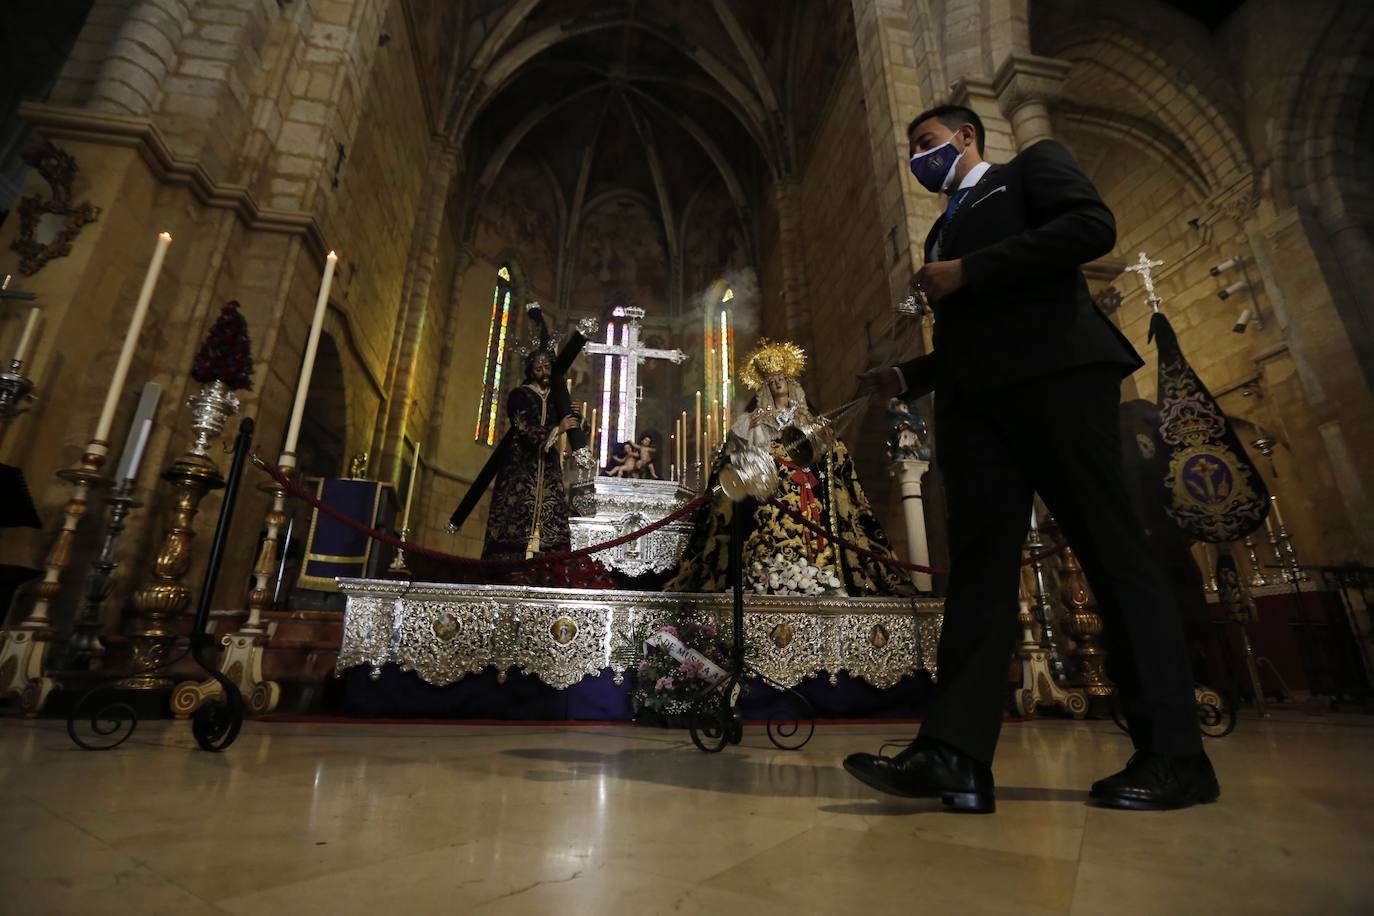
(783, 574)
(681, 660)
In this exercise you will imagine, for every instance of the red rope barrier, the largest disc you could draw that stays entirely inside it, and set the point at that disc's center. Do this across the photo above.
(559, 556)
(884, 558)
(301, 493)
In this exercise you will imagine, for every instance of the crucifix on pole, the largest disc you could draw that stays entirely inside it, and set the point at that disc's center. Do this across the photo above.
(631, 353)
(1143, 267)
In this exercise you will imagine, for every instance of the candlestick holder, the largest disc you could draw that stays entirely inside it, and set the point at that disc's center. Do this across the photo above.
(1038, 684)
(1044, 608)
(16, 392)
(1208, 569)
(85, 650)
(1289, 557)
(398, 562)
(1271, 537)
(1266, 444)
(1257, 577)
(1085, 626)
(164, 596)
(241, 660)
(24, 648)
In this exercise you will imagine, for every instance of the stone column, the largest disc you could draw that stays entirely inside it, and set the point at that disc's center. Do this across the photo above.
(795, 299)
(1025, 86)
(911, 472)
(429, 225)
(138, 60)
(463, 261)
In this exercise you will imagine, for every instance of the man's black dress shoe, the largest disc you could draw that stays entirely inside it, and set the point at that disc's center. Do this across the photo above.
(928, 769)
(1156, 782)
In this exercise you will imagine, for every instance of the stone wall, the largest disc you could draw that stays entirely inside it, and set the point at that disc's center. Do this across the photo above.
(846, 256)
(1219, 183)
(245, 179)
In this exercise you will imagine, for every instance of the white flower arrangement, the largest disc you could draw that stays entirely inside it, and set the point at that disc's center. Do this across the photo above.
(782, 575)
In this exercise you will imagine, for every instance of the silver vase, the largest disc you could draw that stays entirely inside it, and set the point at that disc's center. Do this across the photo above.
(211, 408)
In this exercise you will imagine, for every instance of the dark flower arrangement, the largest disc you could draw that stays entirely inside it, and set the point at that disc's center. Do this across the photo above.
(579, 572)
(226, 355)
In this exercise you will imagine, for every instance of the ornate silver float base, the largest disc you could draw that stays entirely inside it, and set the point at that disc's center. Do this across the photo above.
(608, 507)
(443, 632)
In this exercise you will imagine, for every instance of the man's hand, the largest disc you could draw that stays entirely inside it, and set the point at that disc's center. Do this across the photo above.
(938, 279)
(568, 423)
(882, 382)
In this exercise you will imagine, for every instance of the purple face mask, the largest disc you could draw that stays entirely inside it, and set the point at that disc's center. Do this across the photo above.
(934, 168)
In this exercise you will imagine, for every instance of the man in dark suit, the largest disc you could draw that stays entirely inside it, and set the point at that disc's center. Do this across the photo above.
(1027, 378)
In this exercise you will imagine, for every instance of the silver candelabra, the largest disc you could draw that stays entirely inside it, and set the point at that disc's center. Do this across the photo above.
(85, 649)
(1035, 544)
(16, 392)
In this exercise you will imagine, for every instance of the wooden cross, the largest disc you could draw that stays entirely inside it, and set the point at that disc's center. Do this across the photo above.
(1143, 267)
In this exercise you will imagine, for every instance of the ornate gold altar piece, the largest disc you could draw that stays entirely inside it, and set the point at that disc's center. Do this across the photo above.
(444, 632)
(164, 596)
(24, 649)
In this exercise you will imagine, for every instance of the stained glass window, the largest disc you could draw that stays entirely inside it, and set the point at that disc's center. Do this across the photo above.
(489, 401)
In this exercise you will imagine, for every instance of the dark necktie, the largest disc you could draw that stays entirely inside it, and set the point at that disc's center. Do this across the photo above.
(954, 200)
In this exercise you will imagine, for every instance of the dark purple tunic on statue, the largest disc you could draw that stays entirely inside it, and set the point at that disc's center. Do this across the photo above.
(529, 510)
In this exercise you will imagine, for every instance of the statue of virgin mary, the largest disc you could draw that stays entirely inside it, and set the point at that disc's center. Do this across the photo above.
(781, 556)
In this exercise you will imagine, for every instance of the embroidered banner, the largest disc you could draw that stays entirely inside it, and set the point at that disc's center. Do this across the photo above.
(1212, 489)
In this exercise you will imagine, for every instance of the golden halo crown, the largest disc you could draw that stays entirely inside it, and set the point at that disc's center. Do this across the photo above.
(771, 359)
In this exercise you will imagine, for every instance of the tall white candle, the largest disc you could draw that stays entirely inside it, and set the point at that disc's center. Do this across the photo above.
(410, 489)
(126, 355)
(293, 431)
(26, 338)
(698, 426)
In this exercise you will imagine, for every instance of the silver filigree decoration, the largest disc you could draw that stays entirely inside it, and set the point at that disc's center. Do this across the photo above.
(611, 507)
(444, 632)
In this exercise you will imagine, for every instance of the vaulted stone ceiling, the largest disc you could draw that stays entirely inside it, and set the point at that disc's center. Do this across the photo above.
(647, 99)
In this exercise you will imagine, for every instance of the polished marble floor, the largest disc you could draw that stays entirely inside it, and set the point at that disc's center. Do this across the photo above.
(382, 819)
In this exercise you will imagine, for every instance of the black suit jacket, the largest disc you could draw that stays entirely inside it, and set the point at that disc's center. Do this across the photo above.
(1024, 312)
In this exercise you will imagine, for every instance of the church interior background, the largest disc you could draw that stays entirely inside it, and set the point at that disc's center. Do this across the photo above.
(734, 169)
